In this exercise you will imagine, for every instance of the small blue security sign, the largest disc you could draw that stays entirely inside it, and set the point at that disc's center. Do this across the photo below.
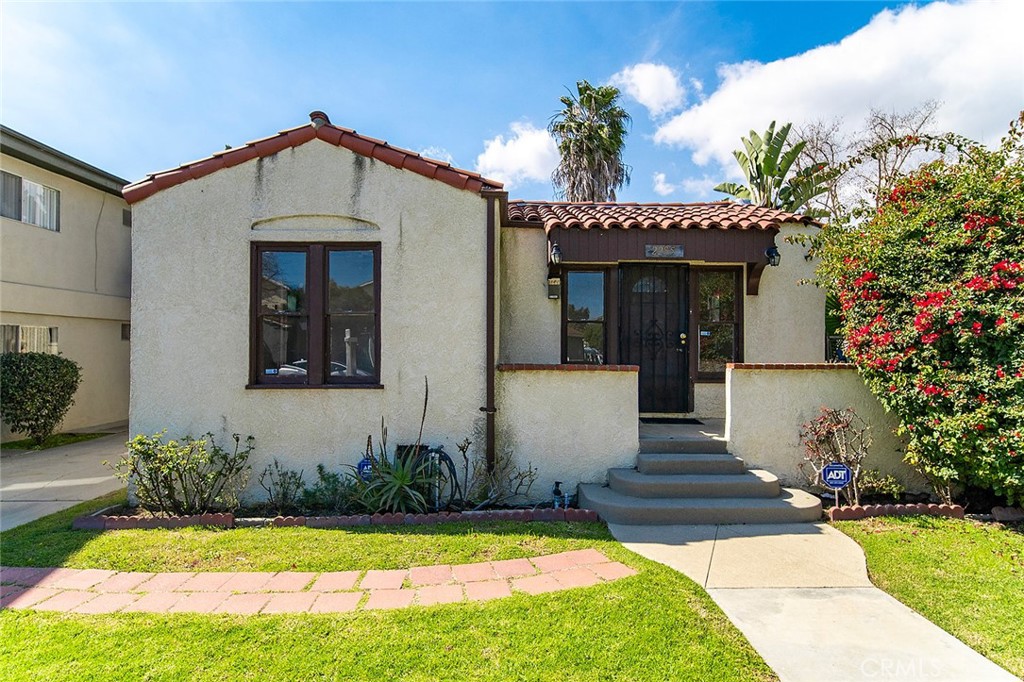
(836, 475)
(365, 469)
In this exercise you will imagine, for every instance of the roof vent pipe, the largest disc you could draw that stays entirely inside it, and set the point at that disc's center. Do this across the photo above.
(319, 119)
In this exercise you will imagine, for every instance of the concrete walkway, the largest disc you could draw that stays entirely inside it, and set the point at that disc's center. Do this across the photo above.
(34, 484)
(99, 591)
(801, 595)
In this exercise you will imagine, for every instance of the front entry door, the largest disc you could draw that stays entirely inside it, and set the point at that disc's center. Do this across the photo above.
(653, 333)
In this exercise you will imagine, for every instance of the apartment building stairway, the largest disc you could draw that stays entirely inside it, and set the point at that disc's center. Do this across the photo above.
(684, 474)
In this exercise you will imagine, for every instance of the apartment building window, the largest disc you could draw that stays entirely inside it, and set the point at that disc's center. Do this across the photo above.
(29, 202)
(28, 339)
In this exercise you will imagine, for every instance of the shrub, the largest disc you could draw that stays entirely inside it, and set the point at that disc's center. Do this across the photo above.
(930, 291)
(193, 476)
(331, 492)
(36, 391)
(874, 484)
(284, 487)
(835, 436)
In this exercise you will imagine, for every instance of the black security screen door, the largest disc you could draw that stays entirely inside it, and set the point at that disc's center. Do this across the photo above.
(653, 333)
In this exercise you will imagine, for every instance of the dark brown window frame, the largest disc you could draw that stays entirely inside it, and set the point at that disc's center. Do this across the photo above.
(317, 254)
(606, 272)
(714, 377)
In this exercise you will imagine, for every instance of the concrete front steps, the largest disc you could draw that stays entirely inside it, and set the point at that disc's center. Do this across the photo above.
(693, 480)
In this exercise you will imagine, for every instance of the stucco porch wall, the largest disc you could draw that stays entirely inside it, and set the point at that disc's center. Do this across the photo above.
(767, 403)
(191, 306)
(571, 422)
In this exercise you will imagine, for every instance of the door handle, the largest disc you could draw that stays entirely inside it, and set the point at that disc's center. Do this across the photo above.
(682, 339)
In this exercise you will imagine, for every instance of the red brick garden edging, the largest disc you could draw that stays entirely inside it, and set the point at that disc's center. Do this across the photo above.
(954, 511)
(228, 520)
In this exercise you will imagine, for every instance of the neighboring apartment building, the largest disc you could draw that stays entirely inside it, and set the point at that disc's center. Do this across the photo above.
(65, 272)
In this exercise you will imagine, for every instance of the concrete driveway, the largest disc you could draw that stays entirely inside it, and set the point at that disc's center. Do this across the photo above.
(34, 484)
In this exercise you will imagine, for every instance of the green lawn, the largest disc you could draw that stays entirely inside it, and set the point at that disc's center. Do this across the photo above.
(53, 441)
(656, 625)
(964, 576)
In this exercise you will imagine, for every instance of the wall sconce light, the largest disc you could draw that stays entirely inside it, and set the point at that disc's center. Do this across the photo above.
(773, 255)
(556, 254)
(554, 287)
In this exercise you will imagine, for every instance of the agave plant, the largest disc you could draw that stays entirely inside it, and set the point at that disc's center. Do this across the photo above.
(396, 486)
(766, 162)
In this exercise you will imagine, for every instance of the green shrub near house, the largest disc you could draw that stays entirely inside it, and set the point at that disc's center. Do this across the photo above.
(36, 391)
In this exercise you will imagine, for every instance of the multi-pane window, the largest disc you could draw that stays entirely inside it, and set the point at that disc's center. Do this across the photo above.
(316, 315)
(29, 202)
(28, 339)
(584, 319)
(718, 320)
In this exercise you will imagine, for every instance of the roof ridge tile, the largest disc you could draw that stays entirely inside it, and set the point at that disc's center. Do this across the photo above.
(293, 137)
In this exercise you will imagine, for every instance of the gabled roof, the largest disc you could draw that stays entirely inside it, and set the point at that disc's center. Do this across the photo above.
(721, 215)
(320, 128)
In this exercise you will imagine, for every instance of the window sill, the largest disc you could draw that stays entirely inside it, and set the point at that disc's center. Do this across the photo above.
(305, 387)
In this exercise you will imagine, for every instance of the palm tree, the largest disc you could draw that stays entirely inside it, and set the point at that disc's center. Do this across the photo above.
(766, 164)
(591, 133)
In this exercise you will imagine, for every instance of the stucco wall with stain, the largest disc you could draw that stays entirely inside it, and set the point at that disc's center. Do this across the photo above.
(191, 294)
(570, 425)
(766, 408)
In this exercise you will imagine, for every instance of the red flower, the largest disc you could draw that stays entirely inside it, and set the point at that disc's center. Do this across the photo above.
(864, 279)
(976, 328)
(929, 338)
(980, 427)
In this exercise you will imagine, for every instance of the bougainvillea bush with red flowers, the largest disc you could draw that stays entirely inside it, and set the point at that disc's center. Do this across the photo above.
(932, 296)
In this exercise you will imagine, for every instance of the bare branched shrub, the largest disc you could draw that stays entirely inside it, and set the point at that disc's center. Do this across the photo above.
(835, 436)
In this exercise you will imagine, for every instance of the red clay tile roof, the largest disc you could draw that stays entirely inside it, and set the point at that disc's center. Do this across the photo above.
(722, 215)
(293, 137)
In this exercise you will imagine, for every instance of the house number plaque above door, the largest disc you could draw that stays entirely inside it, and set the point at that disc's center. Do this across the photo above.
(663, 251)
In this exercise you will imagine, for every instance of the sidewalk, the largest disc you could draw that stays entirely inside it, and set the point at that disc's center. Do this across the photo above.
(34, 484)
(800, 593)
(99, 591)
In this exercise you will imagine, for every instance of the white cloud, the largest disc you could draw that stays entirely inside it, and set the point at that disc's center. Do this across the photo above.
(697, 85)
(529, 154)
(966, 56)
(438, 153)
(661, 185)
(655, 86)
(700, 189)
(692, 189)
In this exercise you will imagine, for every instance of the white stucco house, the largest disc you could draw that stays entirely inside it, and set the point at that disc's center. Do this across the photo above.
(300, 287)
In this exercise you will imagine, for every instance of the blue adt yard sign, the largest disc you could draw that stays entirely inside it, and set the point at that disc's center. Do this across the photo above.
(836, 475)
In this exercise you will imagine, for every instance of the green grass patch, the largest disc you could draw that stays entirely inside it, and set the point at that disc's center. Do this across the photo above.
(53, 441)
(656, 625)
(964, 576)
(52, 542)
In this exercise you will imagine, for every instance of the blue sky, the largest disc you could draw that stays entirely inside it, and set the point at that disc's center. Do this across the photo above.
(134, 88)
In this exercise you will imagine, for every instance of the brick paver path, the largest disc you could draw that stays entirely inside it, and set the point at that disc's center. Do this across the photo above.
(98, 591)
